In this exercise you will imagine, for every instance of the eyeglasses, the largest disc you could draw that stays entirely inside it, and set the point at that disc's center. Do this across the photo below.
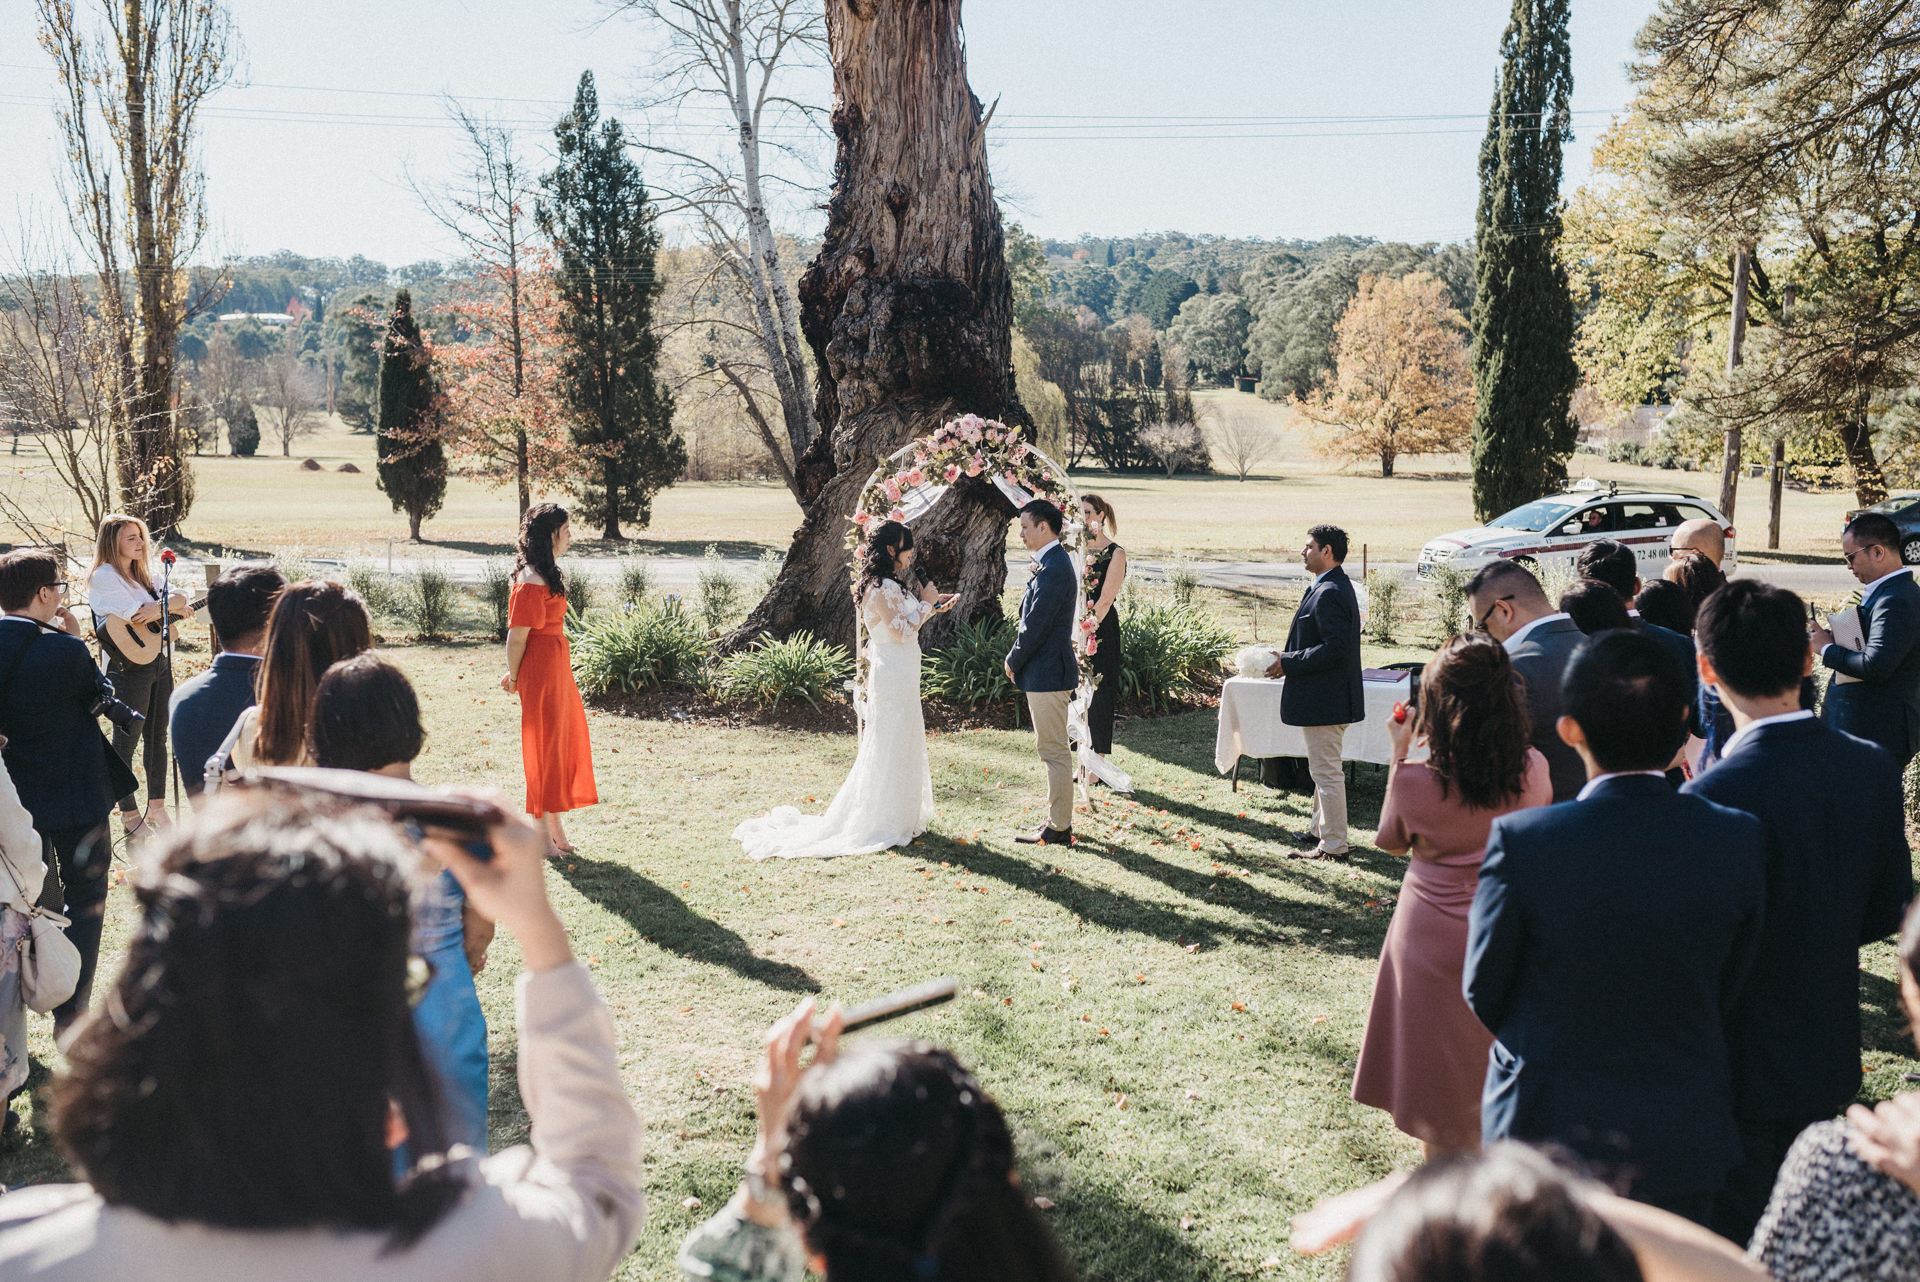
(58, 585)
(1848, 556)
(1481, 622)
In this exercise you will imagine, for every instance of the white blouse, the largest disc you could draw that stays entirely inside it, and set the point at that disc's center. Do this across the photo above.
(111, 592)
(890, 610)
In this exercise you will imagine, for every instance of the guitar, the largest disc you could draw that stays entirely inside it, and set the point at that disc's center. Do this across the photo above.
(137, 643)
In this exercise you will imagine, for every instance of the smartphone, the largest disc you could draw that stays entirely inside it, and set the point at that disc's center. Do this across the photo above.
(934, 992)
(402, 799)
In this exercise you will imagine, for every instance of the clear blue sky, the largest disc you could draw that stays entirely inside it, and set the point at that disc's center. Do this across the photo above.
(1279, 118)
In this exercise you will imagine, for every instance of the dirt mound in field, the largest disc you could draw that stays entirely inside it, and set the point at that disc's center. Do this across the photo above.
(346, 467)
(311, 465)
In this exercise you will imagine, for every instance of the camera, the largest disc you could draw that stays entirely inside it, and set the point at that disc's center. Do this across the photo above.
(119, 712)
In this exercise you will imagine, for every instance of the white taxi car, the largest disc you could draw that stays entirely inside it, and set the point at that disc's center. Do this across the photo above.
(1551, 531)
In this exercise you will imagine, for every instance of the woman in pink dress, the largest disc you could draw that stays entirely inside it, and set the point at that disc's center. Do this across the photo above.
(1424, 1056)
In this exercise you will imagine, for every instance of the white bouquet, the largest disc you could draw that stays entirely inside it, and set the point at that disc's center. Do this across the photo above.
(1255, 660)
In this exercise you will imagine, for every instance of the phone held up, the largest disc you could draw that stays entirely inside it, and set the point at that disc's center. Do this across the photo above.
(413, 806)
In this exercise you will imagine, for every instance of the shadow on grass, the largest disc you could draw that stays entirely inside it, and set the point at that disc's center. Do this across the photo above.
(1107, 1236)
(1883, 1020)
(666, 922)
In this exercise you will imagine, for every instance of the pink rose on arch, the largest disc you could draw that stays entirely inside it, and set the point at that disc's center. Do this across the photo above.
(863, 520)
(976, 465)
(892, 491)
(896, 515)
(1013, 477)
(1088, 625)
(1093, 646)
(860, 553)
(916, 477)
(953, 473)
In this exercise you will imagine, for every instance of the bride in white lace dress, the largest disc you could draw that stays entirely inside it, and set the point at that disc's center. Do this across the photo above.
(888, 799)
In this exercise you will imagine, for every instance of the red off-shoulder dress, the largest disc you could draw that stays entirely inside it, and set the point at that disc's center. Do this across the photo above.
(553, 722)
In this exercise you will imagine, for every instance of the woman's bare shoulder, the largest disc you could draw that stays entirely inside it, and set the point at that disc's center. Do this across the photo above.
(527, 574)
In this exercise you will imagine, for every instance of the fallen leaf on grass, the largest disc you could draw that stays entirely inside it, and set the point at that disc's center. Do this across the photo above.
(1240, 1006)
(1319, 1019)
(686, 1010)
(1121, 1102)
(1186, 1223)
(1043, 1203)
(691, 1204)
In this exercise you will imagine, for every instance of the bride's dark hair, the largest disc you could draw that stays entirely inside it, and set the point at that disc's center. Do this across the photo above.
(535, 546)
(882, 548)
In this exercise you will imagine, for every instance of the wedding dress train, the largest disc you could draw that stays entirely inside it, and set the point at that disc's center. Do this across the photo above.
(888, 798)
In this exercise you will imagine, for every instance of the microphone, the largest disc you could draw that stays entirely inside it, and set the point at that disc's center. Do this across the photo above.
(167, 556)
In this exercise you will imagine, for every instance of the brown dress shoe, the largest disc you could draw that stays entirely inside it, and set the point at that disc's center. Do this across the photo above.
(1046, 837)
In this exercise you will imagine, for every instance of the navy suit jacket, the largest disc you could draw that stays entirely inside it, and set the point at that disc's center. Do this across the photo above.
(204, 709)
(1321, 663)
(1541, 659)
(1680, 646)
(55, 751)
(1042, 655)
(1608, 943)
(1884, 708)
(1838, 876)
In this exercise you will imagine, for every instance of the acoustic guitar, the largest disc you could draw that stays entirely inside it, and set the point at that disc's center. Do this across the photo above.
(137, 643)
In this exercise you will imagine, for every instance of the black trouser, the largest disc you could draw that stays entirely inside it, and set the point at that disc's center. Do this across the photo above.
(146, 689)
(86, 857)
(1743, 1198)
(1106, 691)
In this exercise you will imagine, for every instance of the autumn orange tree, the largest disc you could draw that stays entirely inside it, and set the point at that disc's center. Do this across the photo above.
(1400, 383)
(504, 421)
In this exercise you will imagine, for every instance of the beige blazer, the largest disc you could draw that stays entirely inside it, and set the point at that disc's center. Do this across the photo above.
(564, 1209)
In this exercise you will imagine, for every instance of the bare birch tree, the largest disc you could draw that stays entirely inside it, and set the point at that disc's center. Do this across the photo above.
(744, 61)
(134, 75)
(1240, 436)
(289, 393)
(59, 376)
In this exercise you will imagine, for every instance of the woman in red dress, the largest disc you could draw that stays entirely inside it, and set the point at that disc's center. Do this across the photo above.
(553, 722)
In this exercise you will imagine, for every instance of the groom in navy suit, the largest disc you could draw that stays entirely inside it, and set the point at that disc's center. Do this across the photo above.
(1042, 665)
(1610, 940)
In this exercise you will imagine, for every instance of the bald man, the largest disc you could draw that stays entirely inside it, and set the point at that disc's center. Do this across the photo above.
(1699, 535)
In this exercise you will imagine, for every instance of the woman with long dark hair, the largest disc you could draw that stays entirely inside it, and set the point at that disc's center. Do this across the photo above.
(555, 751)
(314, 625)
(887, 799)
(237, 1114)
(1424, 1056)
(1106, 575)
(880, 1162)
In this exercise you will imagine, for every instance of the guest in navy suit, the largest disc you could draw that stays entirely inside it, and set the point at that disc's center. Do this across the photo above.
(1609, 941)
(67, 773)
(1838, 876)
(1323, 694)
(1883, 705)
(1042, 664)
(204, 709)
(1510, 606)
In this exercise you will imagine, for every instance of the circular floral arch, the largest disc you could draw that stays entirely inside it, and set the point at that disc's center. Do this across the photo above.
(909, 484)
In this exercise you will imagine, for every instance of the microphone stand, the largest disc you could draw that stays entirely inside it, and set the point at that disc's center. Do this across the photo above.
(166, 655)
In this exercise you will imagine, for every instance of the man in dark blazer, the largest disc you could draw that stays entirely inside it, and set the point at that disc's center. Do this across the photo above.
(1609, 941)
(1042, 664)
(1882, 704)
(1509, 604)
(66, 772)
(203, 711)
(1839, 875)
(1323, 694)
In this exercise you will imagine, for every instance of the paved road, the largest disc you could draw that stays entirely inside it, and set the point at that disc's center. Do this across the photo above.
(683, 571)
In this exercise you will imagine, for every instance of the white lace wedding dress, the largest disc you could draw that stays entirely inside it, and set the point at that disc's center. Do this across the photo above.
(888, 799)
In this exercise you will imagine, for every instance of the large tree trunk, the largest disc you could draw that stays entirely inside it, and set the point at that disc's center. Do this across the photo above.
(907, 309)
(1856, 438)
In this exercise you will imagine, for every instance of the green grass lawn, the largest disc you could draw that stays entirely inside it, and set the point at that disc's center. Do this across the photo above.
(1169, 1011)
(267, 503)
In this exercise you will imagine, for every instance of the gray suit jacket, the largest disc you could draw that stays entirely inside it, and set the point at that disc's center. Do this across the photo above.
(1541, 659)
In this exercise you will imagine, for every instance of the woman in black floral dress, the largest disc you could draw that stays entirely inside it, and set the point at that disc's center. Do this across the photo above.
(1106, 574)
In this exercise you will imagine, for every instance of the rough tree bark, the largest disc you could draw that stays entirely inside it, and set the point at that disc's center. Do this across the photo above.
(908, 311)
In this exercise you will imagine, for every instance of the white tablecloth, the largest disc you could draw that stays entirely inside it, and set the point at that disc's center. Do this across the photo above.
(1250, 724)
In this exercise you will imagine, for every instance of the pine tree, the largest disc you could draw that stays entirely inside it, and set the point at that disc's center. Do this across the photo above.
(601, 222)
(1523, 318)
(413, 466)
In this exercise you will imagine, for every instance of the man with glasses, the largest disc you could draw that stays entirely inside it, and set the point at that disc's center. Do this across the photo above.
(59, 760)
(1509, 605)
(1875, 694)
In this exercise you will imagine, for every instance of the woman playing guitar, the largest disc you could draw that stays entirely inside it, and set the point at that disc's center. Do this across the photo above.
(126, 617)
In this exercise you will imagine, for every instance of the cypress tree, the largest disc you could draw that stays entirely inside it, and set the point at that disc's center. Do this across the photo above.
(1523, 318)
(413, 465)
(597, 213)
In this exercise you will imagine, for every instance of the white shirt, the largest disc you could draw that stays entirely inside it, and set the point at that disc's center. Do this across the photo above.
(111, 592)
(1041, 554)
(1520, 633)
(1881, 582)
(1597, 780)
(1726, 749)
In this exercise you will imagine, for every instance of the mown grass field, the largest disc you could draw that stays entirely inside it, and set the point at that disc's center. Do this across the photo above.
(267, 503)
(1169, 1011)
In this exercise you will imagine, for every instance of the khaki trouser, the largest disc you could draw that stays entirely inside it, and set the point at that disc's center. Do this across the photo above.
(1049, 712)
(1329, 787)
